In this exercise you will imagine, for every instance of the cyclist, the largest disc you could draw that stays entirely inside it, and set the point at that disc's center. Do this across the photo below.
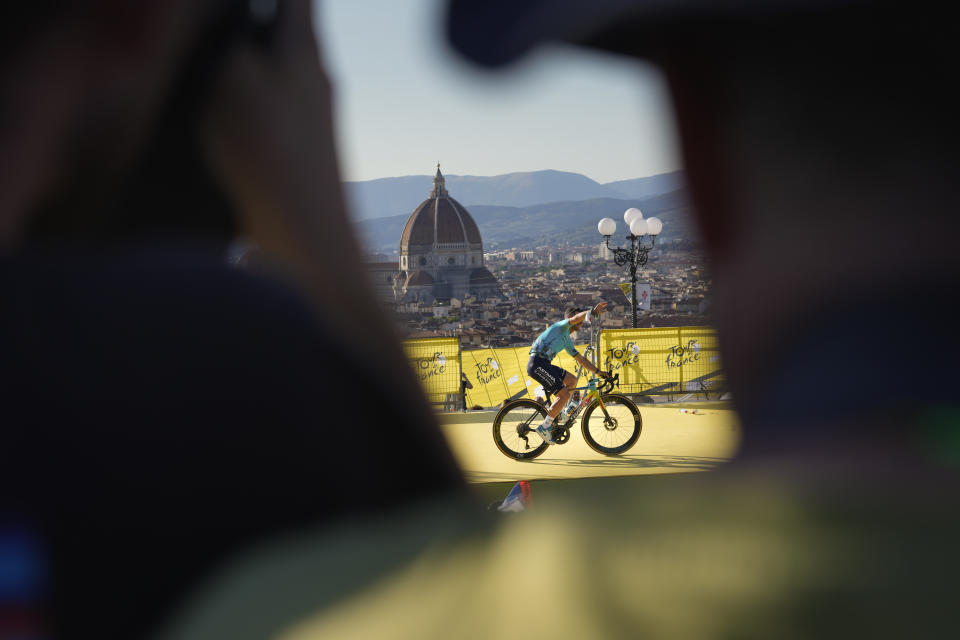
(555, 380)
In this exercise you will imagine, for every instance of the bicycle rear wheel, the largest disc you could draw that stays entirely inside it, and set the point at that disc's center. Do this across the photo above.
(515, 430)
(615, 431)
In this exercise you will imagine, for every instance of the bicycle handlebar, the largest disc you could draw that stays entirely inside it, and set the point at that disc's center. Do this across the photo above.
(608, 383)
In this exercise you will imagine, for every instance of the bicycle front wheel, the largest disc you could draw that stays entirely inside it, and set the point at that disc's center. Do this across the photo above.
(614, 430)
(515, 430)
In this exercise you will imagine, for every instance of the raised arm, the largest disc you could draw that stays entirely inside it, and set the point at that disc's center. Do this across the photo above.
(577, 320)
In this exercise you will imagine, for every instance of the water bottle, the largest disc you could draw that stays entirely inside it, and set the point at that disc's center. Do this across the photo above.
(567, 410)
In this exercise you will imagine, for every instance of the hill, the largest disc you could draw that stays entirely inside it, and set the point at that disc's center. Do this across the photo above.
(648, 187)
(554, 223)
(388, 197)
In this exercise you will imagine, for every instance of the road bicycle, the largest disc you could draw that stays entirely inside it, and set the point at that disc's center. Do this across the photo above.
(611, 422)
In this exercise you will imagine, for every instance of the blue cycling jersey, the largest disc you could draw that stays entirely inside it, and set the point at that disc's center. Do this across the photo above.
(556, 338)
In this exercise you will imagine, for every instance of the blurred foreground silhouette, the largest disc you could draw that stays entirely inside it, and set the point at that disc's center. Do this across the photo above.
(162, 409)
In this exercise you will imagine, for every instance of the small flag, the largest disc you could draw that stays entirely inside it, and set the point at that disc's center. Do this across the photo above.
(518, 499)
(643, 294)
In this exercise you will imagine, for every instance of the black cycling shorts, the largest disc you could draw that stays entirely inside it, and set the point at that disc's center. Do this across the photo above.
(549, 375)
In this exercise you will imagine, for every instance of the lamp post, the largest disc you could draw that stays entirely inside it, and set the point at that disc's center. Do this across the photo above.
(636, 255)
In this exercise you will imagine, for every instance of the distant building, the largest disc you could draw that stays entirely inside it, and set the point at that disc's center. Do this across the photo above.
(441, 252)
(520, 256)
(606, 253)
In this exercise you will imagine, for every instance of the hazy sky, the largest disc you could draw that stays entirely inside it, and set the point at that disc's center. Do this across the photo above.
(404, 101)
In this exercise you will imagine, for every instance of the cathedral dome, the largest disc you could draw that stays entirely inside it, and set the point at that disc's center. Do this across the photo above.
(442, 252)
(439, 220)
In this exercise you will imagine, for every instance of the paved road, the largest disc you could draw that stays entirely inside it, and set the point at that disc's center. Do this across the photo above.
(671, 442)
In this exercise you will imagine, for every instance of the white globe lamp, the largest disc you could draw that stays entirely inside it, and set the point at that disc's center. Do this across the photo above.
(654, 226)
(632, 214)
(607, 226)
(638, 227)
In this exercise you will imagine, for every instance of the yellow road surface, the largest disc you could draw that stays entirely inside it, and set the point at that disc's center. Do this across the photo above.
(671, 442)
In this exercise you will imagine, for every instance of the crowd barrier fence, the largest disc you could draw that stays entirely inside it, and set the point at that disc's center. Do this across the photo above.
(664, 361)
(655, 361)
(436, 363)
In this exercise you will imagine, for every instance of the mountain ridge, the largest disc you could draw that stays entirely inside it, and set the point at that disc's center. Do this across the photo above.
(387, 197)
(547, 224)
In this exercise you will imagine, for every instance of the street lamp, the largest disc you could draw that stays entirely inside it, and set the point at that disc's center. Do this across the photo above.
(636, 255)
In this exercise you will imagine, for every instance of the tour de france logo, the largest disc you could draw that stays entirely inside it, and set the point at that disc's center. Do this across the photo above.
(629, 354)
(680, 355)
(620, 357)
(488, 370)
(433, 365)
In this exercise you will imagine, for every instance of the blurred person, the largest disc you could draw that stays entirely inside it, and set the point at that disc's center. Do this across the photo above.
(162, 410)
(464, 385)
(821, 151)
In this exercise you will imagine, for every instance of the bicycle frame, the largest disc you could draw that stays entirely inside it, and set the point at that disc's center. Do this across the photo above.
(592, 395)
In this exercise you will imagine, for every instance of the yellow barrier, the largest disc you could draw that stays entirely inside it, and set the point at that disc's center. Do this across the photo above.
(658, 361)
(501, 374)
(662, 361)
(436, 363)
